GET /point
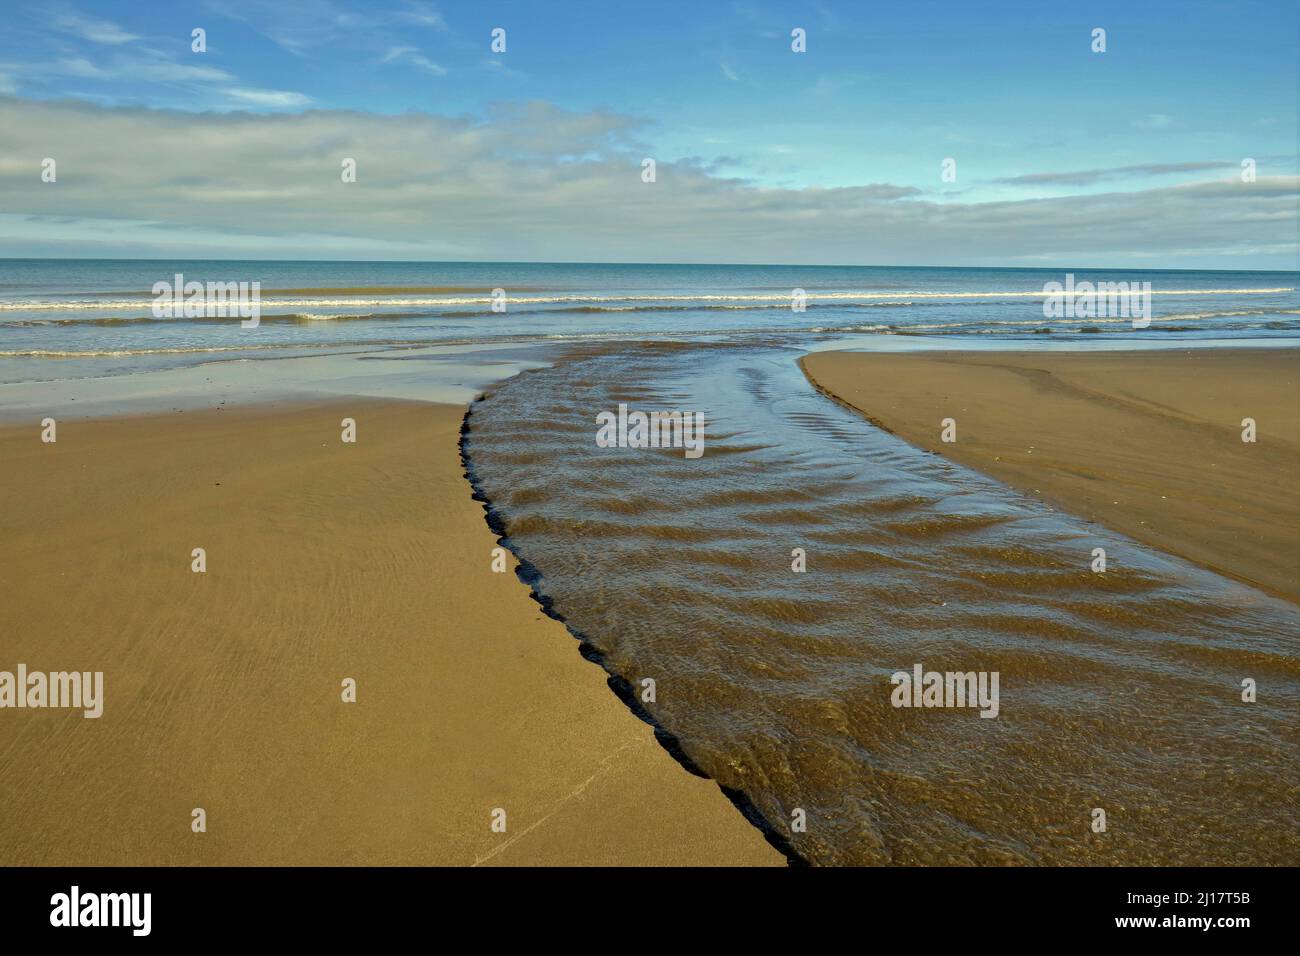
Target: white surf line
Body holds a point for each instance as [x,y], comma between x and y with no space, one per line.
[41,305]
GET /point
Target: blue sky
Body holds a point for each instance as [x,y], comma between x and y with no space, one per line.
[1049,138]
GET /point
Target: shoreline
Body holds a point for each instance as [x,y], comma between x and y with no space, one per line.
[526,572]
[324,560]
[1146,443]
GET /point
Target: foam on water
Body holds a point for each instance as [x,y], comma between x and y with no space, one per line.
[51,310]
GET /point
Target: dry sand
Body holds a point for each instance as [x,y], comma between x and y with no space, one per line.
[1146,443]
[325,561]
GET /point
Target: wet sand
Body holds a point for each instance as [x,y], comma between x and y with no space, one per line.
[325,561]
[1145,443]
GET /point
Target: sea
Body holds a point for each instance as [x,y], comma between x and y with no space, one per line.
[102,309]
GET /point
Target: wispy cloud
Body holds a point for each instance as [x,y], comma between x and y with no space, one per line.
[123,68]
[409,54]
[163,71]
[134,65]
[96,31]
[421,14]
[301,26]
[1087,177]
[729,73]
[298,26]
[276,99]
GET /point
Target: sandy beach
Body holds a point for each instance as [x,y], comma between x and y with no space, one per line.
[1148,443]
[223,689]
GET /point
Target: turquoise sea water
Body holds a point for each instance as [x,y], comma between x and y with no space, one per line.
[87,318]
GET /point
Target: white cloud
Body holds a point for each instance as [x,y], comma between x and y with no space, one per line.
[72,66]
[206,85]
[301,26]
[409,54]
[421,14]
[1085,177]
[537,182]
[124,68]
[96,31]
[279,99]
[729,73]
[166,72]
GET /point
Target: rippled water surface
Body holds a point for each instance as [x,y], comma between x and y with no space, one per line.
[96,317]
[1119,691]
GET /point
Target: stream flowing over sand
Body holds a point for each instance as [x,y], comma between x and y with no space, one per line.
[1119,691]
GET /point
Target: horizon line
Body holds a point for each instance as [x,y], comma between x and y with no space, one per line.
[547,262]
